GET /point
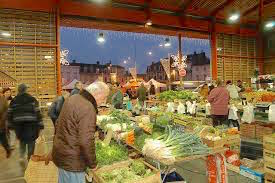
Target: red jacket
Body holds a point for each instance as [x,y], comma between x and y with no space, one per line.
[219,100]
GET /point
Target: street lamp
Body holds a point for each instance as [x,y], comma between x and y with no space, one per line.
[101,38]
[167,42]
[150,53]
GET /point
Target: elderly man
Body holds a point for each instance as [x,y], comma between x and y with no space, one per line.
[77,88]
[74,142]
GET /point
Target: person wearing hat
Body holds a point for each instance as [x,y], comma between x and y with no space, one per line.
[25,119]
[3,124]
[74,142]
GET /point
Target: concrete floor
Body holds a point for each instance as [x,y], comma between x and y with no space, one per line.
[11,170]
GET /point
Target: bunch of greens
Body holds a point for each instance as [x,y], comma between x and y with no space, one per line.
[179,95]
[163,120]
[135,171]
[173,144]
[109,154]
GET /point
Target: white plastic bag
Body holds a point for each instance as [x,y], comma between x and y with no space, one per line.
[170,107]
[233,113]
[271,113]
[248,114]
[193,108]
[208,109]
[188,105]
[181,108]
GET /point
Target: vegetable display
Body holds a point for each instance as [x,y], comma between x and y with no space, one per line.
[166,148]
[135,171]
[180,95]
[117,121]
[109,154]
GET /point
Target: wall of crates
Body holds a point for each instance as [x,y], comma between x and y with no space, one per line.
[31,55]
[236,57]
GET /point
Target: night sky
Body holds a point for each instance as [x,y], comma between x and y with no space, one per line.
[119,46]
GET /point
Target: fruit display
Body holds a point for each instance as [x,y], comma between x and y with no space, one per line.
[260,96]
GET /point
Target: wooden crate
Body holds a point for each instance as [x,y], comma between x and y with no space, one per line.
[269,142]
[269,178]
[261,131]
[214,144]
[248,130]
[269,156]
[156,178]
[233,140]
[269,167]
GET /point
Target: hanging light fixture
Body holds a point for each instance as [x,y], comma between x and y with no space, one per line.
[234,17]
[149,22]
[150,53]
[167,42]
[270,24]
[101,38]
[6,34]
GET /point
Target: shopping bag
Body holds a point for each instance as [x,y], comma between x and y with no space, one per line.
[248,114]
[208,109]
[181,108]
[188,105]
[41,147]
[38,172]
[233,113]
[271,113]
[170,107]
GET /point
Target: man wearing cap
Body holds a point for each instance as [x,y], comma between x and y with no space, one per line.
[74,141]
[25,118]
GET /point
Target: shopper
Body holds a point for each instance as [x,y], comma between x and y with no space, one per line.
[219,100]
[74,142]
[25,118]
[7,93]
[204,91]
[141,94]
[232,89]
[3,125]
[56,107]
[152,89]
[240,85]
[77,88]
[117,99]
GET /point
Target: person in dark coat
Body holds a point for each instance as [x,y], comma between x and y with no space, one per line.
[3,126]
[25,118]
[56,107]
[77,88]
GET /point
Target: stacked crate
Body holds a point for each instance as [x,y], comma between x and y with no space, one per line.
[248,130]
[269,158]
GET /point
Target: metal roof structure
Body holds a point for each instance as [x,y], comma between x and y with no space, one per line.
[193,18]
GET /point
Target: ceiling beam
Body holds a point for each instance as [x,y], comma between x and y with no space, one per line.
[254,8]
[222,7]
[185,5]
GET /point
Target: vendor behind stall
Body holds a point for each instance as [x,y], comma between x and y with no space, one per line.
[141,94]
[117,99]
[219,100]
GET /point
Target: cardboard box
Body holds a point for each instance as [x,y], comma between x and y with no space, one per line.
[256,175]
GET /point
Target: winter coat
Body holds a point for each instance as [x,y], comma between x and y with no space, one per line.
[141,93]
[219,100]
[117,100]
[55,108]
[3,113]
[74,142]
[75,91]
[25,118]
